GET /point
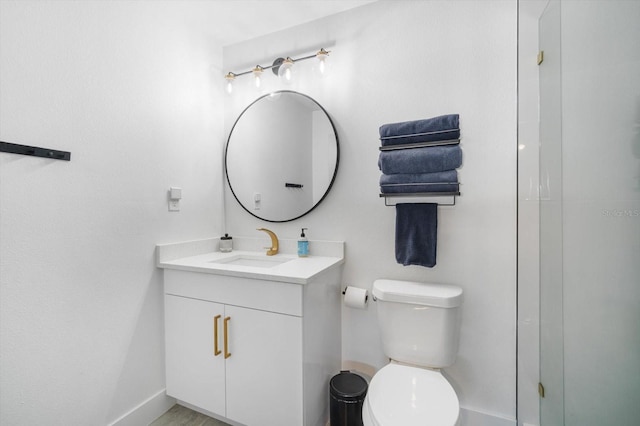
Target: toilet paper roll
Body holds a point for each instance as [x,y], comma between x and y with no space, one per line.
[355,297]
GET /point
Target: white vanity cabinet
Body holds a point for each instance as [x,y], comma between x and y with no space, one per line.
[257,364]
[253,351]
[193,373]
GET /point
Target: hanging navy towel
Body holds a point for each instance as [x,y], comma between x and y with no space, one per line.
[416,234]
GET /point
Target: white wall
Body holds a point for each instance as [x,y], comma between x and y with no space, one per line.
[404,60]
[126,87]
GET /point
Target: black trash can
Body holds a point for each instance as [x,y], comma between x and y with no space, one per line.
[347,391]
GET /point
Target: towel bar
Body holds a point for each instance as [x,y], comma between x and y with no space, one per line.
[34,151]
[440,198]
[419,145]
[435,132]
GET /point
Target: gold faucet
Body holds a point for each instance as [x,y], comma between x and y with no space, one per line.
[274,242]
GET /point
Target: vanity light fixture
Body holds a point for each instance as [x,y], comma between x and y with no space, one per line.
[257,76]
[321,66]
[230,77]
[282,67]
[285,71]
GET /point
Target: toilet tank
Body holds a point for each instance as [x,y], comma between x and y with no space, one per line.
[419,323]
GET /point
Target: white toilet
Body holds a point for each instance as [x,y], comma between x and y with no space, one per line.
[419,326]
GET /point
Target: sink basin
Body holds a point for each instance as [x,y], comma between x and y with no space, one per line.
[254,261]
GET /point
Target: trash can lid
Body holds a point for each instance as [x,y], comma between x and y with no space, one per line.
[348,386]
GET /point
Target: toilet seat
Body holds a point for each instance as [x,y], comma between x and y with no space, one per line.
[401,395]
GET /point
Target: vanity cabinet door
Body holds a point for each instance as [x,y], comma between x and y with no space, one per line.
[264,371]
[195,373]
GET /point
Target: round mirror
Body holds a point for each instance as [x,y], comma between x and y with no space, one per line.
[282,156]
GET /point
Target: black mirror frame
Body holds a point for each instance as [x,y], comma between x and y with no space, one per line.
[335,172]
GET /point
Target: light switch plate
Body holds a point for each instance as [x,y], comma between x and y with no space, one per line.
[175,193]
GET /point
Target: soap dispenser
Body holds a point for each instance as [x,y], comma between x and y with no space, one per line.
[226,243]
[303,244]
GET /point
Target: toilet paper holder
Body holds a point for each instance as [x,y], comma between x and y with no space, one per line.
[366,297]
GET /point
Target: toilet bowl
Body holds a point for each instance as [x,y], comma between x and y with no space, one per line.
[401,395]
[419,326]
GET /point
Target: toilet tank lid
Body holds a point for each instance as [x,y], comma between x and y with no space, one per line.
[438,295]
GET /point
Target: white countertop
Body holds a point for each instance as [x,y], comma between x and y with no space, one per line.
[204,256]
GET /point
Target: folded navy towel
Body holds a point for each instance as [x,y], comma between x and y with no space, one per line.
[420,160]
[446,181]
[416,234]
[444,127]
[447,176]
[419,188]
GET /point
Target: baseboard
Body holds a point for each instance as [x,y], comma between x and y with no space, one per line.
[147,411]
[476,418]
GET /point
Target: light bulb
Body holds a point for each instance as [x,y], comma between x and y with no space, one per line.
[229,79]
[285,72]
[257,76]
[321,68]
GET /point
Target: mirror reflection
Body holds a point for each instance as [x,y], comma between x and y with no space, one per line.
[282,156]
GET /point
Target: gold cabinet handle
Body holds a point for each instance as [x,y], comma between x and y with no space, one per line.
[227,354]
[216,351]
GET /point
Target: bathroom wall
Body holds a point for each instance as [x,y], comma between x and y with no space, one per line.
[126,88]
[404,60]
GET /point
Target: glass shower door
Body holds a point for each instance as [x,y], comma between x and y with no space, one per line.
[551,307]
[590,213]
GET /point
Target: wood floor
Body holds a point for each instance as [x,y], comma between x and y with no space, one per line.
[182,416]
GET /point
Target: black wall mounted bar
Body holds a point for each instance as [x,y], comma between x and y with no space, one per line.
[34,151]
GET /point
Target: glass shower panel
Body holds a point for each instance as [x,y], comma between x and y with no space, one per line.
[551,321]
[601,211]
[590,236]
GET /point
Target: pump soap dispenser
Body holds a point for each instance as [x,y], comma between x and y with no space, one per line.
[303,244]
[226,243]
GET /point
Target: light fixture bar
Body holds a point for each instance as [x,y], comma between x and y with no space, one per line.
[276,64]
